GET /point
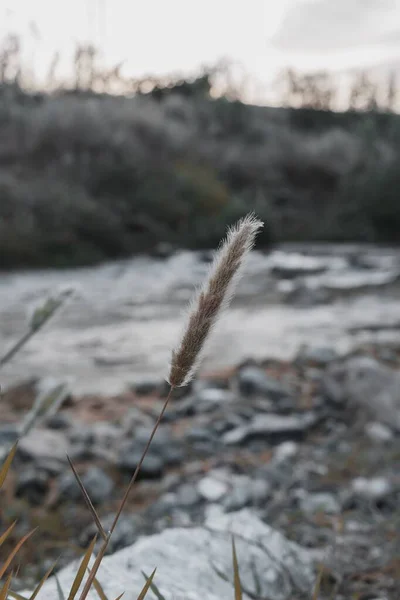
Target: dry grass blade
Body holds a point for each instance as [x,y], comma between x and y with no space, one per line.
[146,586]
[14,552]
[88,501]
[59,589]
[99,589]
[16,596]
[103,549]
[82,570]
[5,588]
[154,588]
[236,577]
[7,463]
[120,596]
[42,581]
[318,583]
[7,533]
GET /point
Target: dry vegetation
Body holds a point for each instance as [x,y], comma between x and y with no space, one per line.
[86,176]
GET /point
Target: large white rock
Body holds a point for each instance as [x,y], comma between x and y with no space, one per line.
[191,563]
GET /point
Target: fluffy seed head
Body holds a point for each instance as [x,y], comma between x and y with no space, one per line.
[212,298]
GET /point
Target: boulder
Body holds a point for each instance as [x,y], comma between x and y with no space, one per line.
[196,563]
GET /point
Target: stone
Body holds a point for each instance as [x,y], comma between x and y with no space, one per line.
[374,488]
[285,451]
[260,491]
[271,428]
[32,485]
[212,489]
[129,457]
[320,502]
[318,355]
[187,495]
[125,534]
[40,444]
[378,432]
[240,496]
[253,380]
[147,386]
[58,421]
[210,398]
[190,561]
[68,488]
[98,484]
[363,382]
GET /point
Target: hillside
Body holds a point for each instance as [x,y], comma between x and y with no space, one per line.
[85,177]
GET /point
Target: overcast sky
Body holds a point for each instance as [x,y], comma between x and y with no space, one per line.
[161,36]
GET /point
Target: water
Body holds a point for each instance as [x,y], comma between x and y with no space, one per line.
[126,316]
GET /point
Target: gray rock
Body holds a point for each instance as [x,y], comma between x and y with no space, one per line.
[285,451]
[210,398]
[320,502]
[260,491]
[188,562]
[42,444]
[129,457]
[271,428]
[58,421]
[98,484]
[68,488]
[240,496]
[375,488]
[378,432]
[125,534]
[187,495]
[211,488]
[147,386]
[253,380]
[364,382]
[32,485]
[319,355]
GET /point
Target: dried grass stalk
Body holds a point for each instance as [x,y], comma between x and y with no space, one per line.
[212,298]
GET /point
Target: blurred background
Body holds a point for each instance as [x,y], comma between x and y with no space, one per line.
[133,133]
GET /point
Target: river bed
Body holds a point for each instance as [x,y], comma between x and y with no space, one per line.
[125,316]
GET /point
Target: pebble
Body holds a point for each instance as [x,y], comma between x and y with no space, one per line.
[253,380]
[378,432]
[211,489]
[375,488]
[320,502]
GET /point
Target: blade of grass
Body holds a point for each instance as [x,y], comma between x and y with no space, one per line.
[14,552]
[7,463]
[82,569]
[103,549]
[88,501]
[6,587]
[98,587]
[154,588]
[120,596]
[146,586]
[42,581]
[7,533]
[59,588]
[236,577]
[317,587]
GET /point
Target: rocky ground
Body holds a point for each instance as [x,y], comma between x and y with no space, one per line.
[311,447]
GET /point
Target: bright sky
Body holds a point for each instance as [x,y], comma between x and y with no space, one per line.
[162,36]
